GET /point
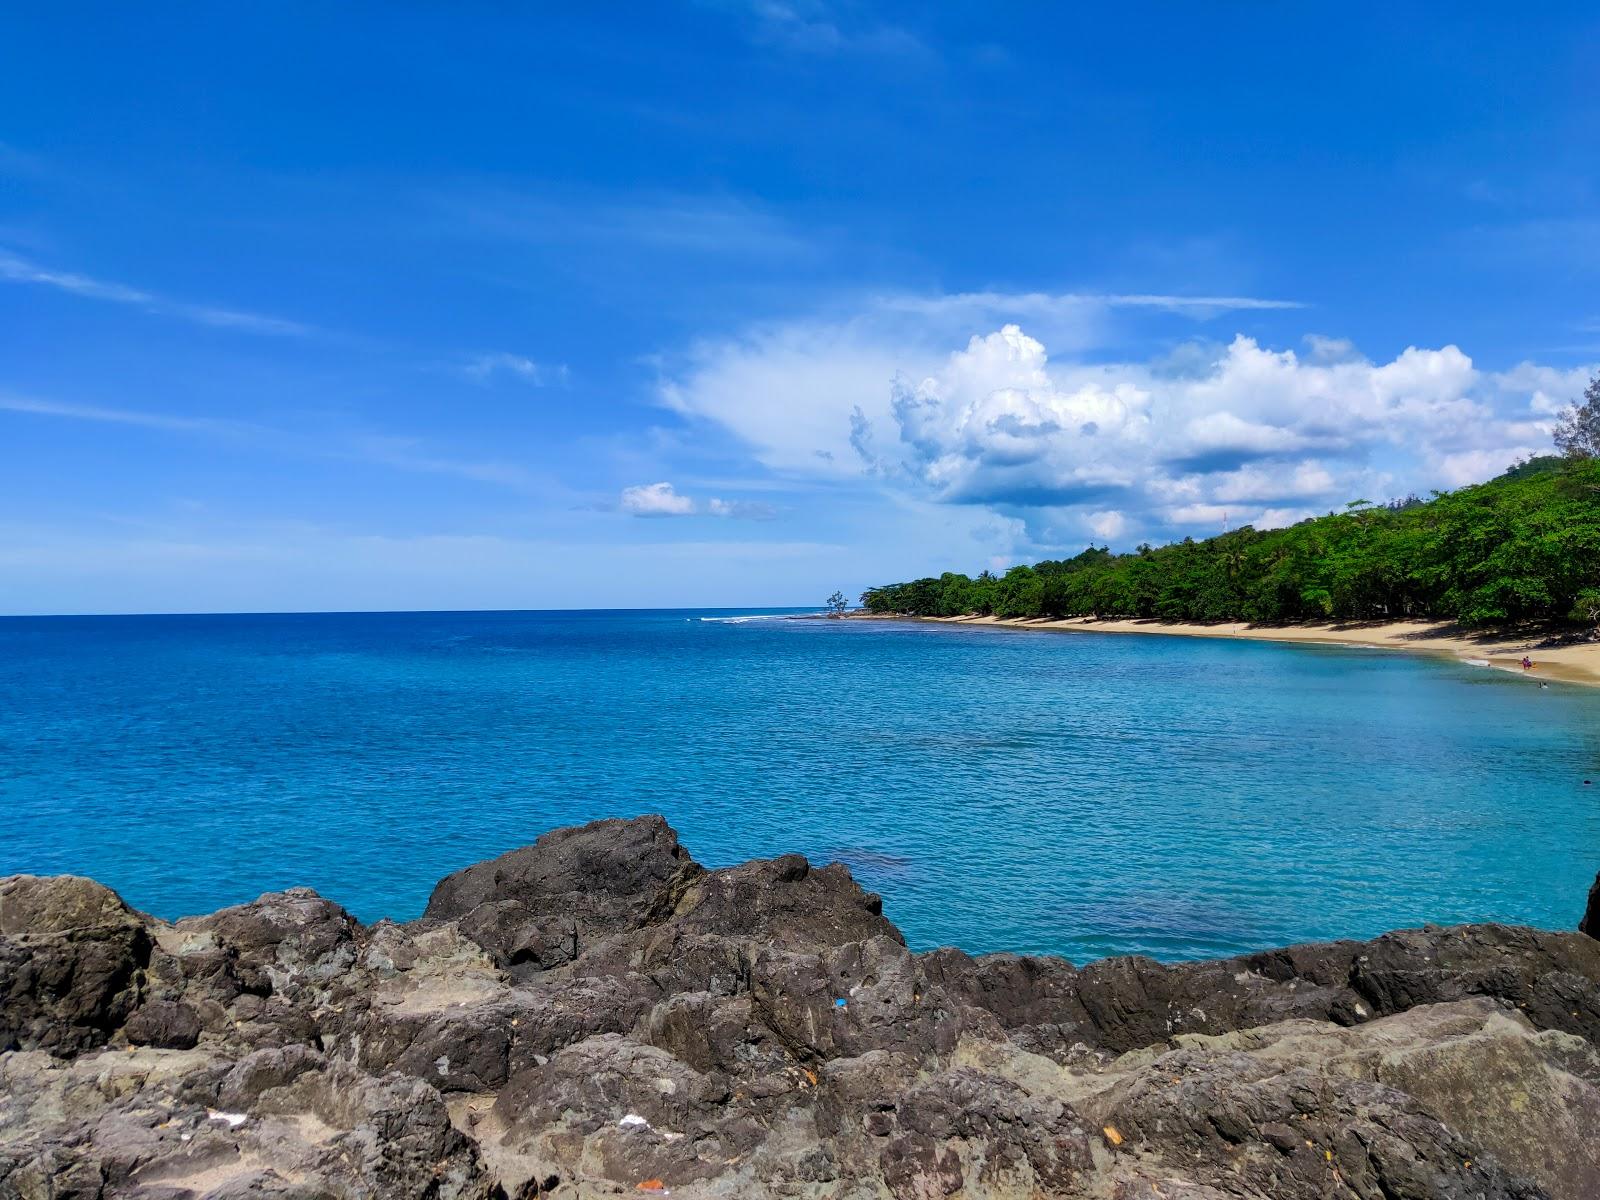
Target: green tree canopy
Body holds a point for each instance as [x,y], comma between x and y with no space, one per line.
[1525,545]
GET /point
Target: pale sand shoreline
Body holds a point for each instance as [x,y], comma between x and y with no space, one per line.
[1574,663]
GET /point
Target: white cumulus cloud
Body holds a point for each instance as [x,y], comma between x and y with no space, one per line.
[1265,431]
[1233,433]
[664,500]
[789,390]
[655,500]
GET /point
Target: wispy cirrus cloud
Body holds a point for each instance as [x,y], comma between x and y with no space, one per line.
[1026,304]
[815,27]
[663,222]
[16,269]
[414,454]
[120,416]
[485,366]
[389,450]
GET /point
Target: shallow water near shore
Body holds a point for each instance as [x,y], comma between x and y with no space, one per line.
[1002,789]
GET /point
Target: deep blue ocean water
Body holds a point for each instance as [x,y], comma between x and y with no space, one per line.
[1042,792]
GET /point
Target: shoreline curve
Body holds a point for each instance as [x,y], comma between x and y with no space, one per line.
[1576,662]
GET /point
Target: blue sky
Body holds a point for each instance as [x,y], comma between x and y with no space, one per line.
[348,307]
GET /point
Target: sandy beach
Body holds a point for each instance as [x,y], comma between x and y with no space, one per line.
[1502,649]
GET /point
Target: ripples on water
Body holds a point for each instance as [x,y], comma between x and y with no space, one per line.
[1031,791]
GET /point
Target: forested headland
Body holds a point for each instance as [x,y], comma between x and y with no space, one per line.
[1524,546]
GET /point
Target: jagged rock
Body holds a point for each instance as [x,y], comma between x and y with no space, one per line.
[783,903]
[71,954]
[164,1024]
[1124,1003]
[154,1123]
[1443,1100]
[863,996]
[440,1009]
[598,1012]
[1240,1123]
[284,940]
[1590,923]
[544,904]
[964,1128]
[602,1079]
[713,1033]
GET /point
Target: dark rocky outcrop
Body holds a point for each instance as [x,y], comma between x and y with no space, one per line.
[70,957]
[546,903]
[598,1015]
[1590,923]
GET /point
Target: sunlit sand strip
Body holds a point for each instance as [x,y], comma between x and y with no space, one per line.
[1577,663]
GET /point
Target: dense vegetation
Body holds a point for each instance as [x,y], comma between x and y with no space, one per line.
[1523,546]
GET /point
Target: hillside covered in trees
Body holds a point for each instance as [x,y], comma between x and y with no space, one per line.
[1523,546]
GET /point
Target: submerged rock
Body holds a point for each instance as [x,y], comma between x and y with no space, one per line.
[598,1015]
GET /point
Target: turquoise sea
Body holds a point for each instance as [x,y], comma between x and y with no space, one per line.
[1032,791]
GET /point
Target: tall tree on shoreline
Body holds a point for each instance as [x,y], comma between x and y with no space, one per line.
[1577,432]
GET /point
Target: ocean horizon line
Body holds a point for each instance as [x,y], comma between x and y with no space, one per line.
[395,612]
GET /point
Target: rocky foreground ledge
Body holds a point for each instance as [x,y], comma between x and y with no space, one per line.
[598,1015]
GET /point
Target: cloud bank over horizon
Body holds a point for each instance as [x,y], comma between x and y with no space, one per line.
[1204,435]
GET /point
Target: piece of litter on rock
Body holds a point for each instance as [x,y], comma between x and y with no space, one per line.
[234,1120]
[634,1121]
[652,1185]
[841,1002]
[1113,1135]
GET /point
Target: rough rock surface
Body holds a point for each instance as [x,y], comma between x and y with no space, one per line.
[598,1015]
[1590,923]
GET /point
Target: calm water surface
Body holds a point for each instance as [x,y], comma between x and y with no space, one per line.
[1080,795]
